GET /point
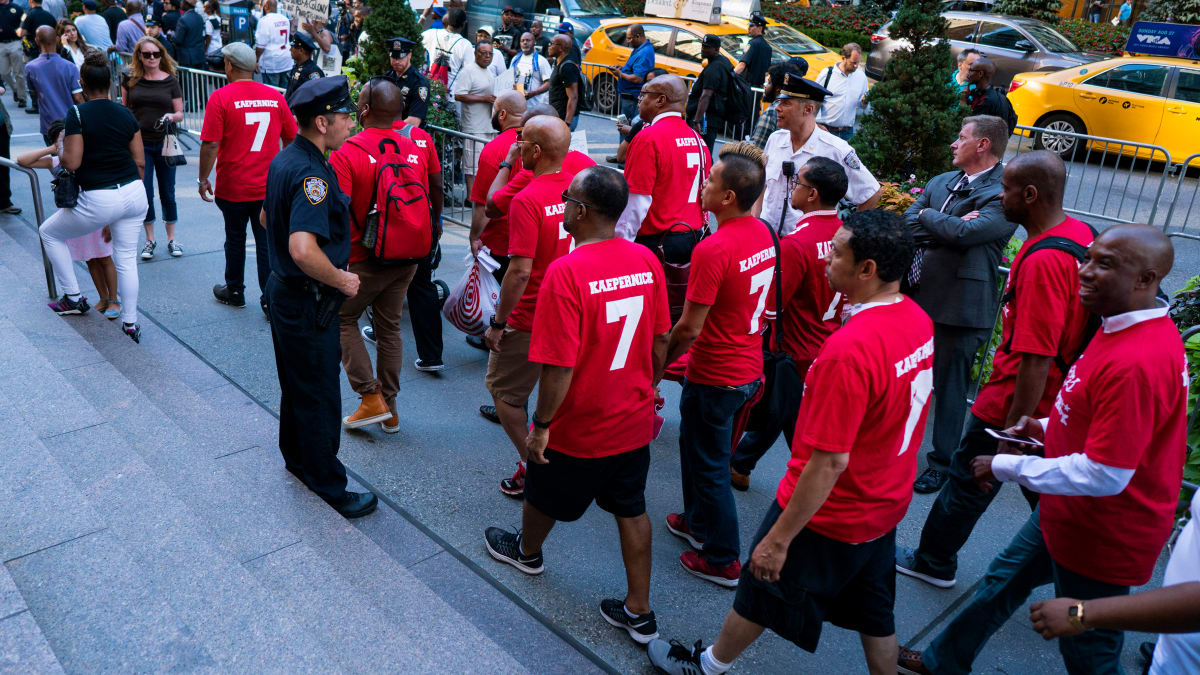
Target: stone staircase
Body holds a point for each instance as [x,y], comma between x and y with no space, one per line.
[148,524]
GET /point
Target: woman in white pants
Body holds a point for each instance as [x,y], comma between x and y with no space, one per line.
[103,147]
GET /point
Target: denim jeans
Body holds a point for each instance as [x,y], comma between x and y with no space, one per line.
[705,435]
[236,215]
[166,185]
[1024,565]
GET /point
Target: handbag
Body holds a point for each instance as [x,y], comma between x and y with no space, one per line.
[64,184]
[676,274]
[172,151]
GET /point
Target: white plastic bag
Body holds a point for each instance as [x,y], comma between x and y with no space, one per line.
[473,301]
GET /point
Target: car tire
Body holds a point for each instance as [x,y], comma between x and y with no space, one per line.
[605,94]
[1063,146]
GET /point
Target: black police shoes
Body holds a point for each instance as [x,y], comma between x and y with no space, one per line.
[356,504]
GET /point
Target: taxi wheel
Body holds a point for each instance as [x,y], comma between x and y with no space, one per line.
[1063,146]
[605,87]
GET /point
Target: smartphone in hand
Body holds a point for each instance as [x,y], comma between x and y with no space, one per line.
[1014,438]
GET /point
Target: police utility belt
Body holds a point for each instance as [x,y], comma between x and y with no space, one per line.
[327,298]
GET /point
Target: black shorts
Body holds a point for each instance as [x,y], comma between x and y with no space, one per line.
[566,487]
[852,586]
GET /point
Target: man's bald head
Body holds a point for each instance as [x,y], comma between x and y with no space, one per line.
[549,133]
[665,93]
[46,37]
[382,102]
[539,109]
[1042,170]
[982,71]
[672,86]
[512,102]
[1123,269]
[1148,245]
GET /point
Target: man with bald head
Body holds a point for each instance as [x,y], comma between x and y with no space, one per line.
[1114,447]
[53,81]
[666,166]
[1043,330]
[982,98]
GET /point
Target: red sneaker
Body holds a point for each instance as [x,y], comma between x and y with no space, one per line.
[678,526]
[515,486]
[726,576]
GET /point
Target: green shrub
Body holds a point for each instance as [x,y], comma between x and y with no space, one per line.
[835,39]
[394,18]
[857,20]
[1044,10]
[1099,37]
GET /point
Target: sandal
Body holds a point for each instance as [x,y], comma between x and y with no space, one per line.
[109,312]
[101,306]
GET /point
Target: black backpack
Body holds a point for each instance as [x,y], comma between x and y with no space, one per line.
[739,101]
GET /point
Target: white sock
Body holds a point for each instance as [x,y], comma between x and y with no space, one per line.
[72,296]
[710,665]
[629,613]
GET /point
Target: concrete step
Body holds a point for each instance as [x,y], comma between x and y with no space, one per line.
[23,646]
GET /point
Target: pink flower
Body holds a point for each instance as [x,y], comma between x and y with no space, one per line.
[916,191]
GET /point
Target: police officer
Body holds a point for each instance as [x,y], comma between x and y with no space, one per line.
[798,140]
[413,86]
[306,68]
[307,219]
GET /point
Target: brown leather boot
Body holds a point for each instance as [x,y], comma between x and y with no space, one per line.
[371,410]
[739,481]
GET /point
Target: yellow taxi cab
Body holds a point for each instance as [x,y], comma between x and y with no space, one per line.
[1140,99]
[676,45]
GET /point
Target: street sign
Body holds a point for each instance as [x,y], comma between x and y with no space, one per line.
[704,11]
[305,9]
[1164,39]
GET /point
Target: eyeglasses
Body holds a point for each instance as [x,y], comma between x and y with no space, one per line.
[151,55]
[568,198]
[797,182]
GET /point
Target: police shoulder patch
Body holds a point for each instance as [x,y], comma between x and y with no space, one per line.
[851,160]
[315,189]
[314,75]
[423,92]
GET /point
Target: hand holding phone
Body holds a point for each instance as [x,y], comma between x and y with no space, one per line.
[1017,439]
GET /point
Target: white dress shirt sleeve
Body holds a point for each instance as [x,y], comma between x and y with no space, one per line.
[631,218]
[1074,475]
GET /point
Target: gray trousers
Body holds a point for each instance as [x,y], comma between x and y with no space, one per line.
[954,350]
[12,67]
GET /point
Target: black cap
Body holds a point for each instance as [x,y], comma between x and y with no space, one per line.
[757,19]
[518,11]
[794,86]
[711,40]
[399,46]
[323,95]
[151,21]
[303,42]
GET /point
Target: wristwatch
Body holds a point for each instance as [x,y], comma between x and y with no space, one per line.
[504,165]
[538,423]
[1075,615]
[497,326]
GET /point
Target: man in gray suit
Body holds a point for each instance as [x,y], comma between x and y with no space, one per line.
[959,224]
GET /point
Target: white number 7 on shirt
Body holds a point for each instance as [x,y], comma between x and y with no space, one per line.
[261,120]
[760,283]
[693,159]
[921,387]
[631,310]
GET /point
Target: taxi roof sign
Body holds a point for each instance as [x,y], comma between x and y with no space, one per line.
[1164,39]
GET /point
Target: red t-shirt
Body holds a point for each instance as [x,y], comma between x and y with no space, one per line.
[1048,320]
[356,174]
[535,231]
[429,156]
[866,394]
[598,311]
[573,163]
[247,118]
[495,233]
[668,161]
[732,272]
[811,310]
[1124,404]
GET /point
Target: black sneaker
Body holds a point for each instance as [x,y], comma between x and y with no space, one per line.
[227,296]
[65,305]
[906,563]
[930,481]
[674,658]
[505,546]
[488,412]
[430,366]
[133,330]
[642,629]
[477,343]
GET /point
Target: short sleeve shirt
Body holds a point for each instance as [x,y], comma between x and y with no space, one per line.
[426,149]
[247,119]
[273,35]
[54,80]
[1046,319]
[150,100]
[862,185]
[303,196]
[811,309]
[731,272]
[640,62]
[598,311]
[715,76]
[757,59]
[495,233]
[475,81]
[565,74]
[107,128]
[519,177]
[1123,404]
[866,394]
[535,231]
[10,21]
[530,71]
[668,160]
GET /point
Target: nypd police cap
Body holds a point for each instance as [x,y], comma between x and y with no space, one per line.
[794,86]
[303,41]
[400,47]
[323,95]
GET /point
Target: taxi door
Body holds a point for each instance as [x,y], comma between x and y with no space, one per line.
[1125,102]
[1180,129]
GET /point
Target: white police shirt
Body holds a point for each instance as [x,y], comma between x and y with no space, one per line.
[862,185]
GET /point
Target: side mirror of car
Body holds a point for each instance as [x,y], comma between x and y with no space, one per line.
[1023,45]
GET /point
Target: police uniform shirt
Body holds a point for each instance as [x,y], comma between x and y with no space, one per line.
[10,21]
[303,196]
[862,185]
[757,59]
[415,90]
[302,73]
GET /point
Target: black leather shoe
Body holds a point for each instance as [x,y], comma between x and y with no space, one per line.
[228,296]
[930,481]
[476,342]
[489,413]
[356,504]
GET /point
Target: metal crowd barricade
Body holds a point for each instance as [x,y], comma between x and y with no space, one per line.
[457,152]
[39,215]
[1178,214]
[198,86]
[1107,178]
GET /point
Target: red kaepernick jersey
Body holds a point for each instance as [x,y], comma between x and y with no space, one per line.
[247,118]
[424,143]
[866,394]
[731,272]
[668,161]
[573,163]
[598,310]
[1124,405]
[535,231]
[1048,320]
[495,233]
[811,309]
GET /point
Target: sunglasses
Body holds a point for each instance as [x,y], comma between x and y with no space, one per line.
[568,198]
[151,55]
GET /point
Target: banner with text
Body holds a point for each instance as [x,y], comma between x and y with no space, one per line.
[1164,39]
[305,10]
[704,11]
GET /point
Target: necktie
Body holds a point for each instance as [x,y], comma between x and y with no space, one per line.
[914,272]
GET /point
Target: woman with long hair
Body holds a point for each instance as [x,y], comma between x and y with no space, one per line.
[103,146]
[72,46]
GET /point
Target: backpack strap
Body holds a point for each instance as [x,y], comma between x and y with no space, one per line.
[777,326]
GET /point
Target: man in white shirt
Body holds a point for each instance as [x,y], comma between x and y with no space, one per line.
[271,41]
[448,44]
[93,27]
[847,84]
[473,89]
[531,72]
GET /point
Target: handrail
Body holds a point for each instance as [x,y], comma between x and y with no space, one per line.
[39,215]
[1178,189]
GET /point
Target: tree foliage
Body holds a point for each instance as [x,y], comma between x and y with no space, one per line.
[394,18]
[915,114]
[1173,11]
[1045,10]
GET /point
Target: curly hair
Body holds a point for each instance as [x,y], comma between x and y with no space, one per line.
[137,71]
[881,236]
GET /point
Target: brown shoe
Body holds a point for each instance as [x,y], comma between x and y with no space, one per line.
[391,425]
[910,662]
[739,481]
[371,410]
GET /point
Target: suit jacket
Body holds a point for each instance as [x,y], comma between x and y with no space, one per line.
[959,280]
[189,40]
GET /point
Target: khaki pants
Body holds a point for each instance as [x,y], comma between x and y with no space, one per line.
[384,287]
[12,67]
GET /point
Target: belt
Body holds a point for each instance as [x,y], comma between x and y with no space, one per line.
[833,128]
[294,284]
[116,186]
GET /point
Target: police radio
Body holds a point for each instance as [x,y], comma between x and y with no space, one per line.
[789,170]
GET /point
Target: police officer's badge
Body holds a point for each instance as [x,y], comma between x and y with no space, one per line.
[851,160]
[315,189]
[423,92]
